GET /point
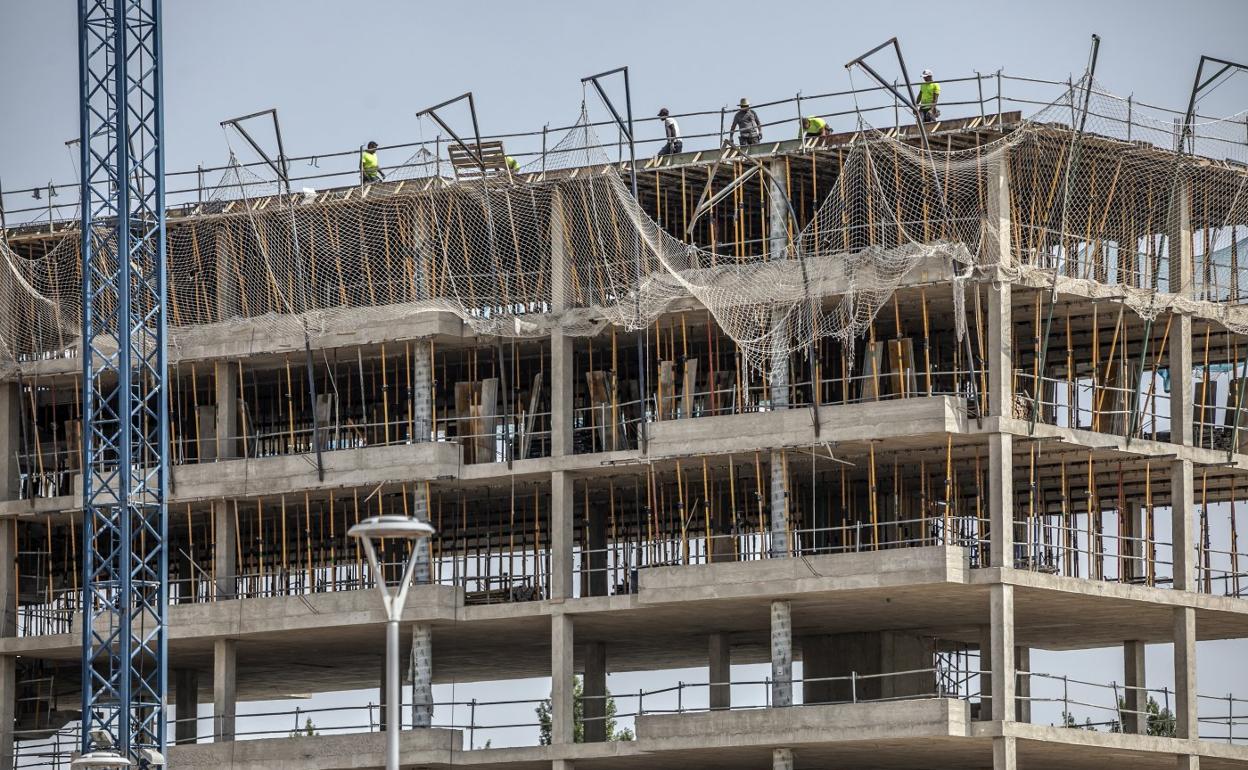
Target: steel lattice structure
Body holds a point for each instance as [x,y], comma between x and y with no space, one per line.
[124,365]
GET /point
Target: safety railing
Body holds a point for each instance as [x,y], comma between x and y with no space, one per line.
[978,95]
[1084,404]
[1107,706]
[1221,572]
[1083,547]
[518,436]
[615,569]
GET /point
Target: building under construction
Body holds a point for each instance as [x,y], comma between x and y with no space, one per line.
[885,409]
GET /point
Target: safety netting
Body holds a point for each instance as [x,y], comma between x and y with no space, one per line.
[1097,211]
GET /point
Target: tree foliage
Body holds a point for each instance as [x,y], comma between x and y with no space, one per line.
[545,719]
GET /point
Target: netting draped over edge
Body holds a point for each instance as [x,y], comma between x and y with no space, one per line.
[488,250]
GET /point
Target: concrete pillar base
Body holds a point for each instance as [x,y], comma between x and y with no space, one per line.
[224,692]
[782,759]
[781,654]
[422,675]
[1004,754]
[719,653]
[594,707]
[562,728]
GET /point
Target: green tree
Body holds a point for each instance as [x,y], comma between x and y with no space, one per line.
[1161,721]
[578,717]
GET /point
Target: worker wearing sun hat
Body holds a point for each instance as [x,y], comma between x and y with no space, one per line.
[746,124]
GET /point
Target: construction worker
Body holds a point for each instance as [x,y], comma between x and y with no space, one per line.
[929,94]
[674,144]
[369,170]
[513,165]
[814,126]
[747,125]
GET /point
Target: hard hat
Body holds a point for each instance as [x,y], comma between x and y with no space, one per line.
[745,103]
[663,113]
[927,73]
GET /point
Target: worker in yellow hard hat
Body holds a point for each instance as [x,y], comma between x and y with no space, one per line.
[370,171]
[813,125]
[929,95]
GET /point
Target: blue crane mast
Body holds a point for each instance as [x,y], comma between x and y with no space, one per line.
[125,398]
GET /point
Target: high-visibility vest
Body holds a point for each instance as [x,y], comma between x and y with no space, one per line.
[815,126]
[513,164]
[928,92]
[368,162]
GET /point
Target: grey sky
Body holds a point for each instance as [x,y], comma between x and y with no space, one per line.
[342,73]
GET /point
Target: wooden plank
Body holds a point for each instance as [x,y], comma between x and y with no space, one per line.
[901,364]
[464,423]
[487,423]
[689,387]
[667,389]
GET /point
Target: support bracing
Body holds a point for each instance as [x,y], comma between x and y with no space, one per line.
[125,419]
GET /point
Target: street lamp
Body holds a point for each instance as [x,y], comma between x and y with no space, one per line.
[370,531]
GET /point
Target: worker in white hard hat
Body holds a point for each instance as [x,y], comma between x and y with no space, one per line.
[929,94]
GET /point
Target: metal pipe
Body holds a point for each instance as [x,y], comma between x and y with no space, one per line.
[394,719]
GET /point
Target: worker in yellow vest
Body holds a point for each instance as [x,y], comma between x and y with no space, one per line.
[370,171]
[929,94]
[513,165]
[814,126]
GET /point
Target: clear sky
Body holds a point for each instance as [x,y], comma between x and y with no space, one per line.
[342,73]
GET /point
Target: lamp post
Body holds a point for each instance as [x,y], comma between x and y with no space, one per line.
[371,531]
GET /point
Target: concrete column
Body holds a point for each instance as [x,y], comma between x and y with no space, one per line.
[595,558]
[421,667]
[562,374]
[1180,363]
[1188,762]
[782,759]
[562,534]
[422,571]
[224,692]
[225,553]
[225,378]
[1182,506]
[1179,240]
[779,523]
[999,211]
[1186,725]
[1135,696]
[594,702]
[561,369]
[1022,685]
[562,674]
[1000,361]
[719,653]
[10,439]
[186,704]
[422,389]
[8,709]
[1001,498]
[781,654]
[777,240]
[8,578]
[1004,753]
[1002,633]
